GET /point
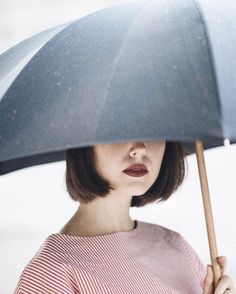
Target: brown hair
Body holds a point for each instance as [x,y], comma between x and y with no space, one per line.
[84,184]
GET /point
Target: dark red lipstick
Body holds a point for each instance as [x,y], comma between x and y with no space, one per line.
[136,170]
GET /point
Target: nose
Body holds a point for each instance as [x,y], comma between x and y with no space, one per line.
[139,149]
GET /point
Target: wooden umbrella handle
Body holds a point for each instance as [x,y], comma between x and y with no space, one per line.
[208,211]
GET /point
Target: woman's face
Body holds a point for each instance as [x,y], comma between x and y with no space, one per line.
[112,159]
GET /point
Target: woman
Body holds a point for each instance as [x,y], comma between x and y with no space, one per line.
[101,249]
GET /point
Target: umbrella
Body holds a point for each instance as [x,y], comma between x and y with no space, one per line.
[142,70]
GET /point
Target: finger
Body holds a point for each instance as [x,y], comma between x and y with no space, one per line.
[208,281]
[222,260]
[224,284]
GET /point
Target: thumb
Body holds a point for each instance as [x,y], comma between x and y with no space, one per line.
[208,281]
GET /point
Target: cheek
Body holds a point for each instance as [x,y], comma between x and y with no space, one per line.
[162,153]
[158,156]
[105,162]
[161,156]
[98,160]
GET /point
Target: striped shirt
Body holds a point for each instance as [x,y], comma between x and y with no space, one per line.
[148,259]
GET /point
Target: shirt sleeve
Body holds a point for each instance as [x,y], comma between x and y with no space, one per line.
[195,261]
[40,277]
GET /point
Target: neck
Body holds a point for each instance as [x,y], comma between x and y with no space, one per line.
[101,216]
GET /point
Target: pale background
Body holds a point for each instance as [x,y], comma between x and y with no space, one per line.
[34,202]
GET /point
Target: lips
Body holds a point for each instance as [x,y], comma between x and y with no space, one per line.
[137,170]
[137,167]
[133,173]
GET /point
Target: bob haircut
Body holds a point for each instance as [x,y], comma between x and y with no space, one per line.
[84,184]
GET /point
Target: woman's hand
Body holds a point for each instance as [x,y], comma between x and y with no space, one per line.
[225,284]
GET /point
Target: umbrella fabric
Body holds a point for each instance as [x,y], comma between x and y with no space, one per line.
[142,70]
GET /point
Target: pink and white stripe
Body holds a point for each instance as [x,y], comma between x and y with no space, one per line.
[149,259]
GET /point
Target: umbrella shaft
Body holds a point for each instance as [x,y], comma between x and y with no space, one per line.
[207,211]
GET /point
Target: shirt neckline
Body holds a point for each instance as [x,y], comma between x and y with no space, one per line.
[134,231]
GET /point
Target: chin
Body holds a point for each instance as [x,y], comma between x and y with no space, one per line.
[138,191]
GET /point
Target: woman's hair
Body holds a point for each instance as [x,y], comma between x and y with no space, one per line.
[84,184]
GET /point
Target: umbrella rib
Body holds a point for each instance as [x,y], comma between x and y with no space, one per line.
[121,49]
[211,57]
[13,71]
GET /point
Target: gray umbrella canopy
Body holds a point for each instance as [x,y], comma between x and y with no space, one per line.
[142,70]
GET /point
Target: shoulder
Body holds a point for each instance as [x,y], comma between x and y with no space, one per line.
[161,232]
[46,273]
[177,241]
